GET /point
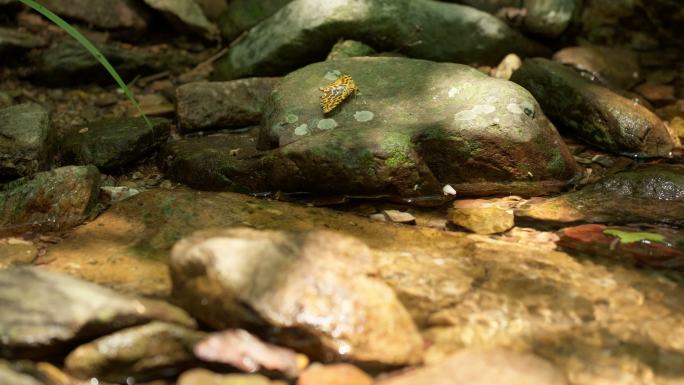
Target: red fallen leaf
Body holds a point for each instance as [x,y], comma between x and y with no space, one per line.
[246,352]
[591,239]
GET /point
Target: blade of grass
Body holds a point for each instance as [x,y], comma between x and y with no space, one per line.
[91,48]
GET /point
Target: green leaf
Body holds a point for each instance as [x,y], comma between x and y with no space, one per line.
[91,48]
[634,236]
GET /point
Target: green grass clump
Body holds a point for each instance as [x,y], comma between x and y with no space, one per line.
[91,48]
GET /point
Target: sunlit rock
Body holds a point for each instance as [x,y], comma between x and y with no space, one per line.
[315,291]
[594,113]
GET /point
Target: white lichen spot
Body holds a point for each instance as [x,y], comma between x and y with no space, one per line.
[453,91]
[514,108]
[327,124]
[302,130]
[477,110]
[363,116]
[481,109]
[332,75]
[292,118]
[491,99]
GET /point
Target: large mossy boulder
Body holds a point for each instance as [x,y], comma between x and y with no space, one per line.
[448,122]
[594,113]
[304,31]
[413,127]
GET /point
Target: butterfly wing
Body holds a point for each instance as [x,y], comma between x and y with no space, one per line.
[336,92]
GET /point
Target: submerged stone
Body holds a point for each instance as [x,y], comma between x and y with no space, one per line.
[655,247]
[14,42]
[594,113]
[24,140]
[586,317]
[304,31]
[484,367]
[648,194]
[113,144]
[314,290]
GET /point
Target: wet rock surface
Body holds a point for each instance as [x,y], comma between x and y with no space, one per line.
[113,144]
[15,252]
[10,375]
[484,368]
[321,277]
[216,105]
[284,41]
[594,113]
[33,322]
[51,200]
[655,247]
[648,194]
[154,350]
[205,377]
[461,290]
[24,140]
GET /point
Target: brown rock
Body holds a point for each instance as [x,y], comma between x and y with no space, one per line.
[656,92]
[482,220]
[337,374]
[205,377]
[314,290]
[615,67]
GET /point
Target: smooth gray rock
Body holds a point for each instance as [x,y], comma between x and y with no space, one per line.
[593,112]
[186,15]
[215,105]
[242,15]
[50,201]
[113,144]
[304,31]
[24,140]
[314,291]
[44,312]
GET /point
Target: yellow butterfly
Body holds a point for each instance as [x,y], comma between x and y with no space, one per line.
[336,92]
